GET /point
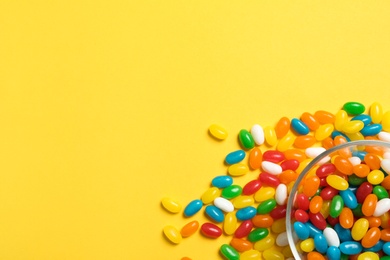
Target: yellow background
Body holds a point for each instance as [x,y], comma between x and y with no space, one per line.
[105,105]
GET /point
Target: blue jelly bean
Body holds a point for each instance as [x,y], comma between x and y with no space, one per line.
[359,154]
[349,198]
[222,181]
[386,248]
[312,229]
[301,230]
[215,213]
[320,243]
[235,157]
[366,119]
[376,248]
[333,253]
[193,207]
[337,133]
[299,127]
[344,234]
[350,247]
[246,213]
[371,130]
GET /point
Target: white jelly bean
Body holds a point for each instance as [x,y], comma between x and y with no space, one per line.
[385,164]
[386,155]
[271,167]
[384,136]
[331,237]
[257,134]
[382,206]
[224,204]
[281,239]
[313,152]
[354,160]
[281,194]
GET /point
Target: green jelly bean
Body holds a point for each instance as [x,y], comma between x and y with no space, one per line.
[258,234]
[385,258]
[336,206]
[229,252]
[344,257]
[231,192]
[355,180]
[246,139]
[266,206]
[380,192]
[354,108]
[357,212]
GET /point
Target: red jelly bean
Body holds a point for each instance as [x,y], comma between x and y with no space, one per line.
[278,212]
[323,182]
[332,221]
[325,169]
[244,229]
[301,216]
[273,156]
[211,230]
[317,220]
[363,191]
[328,193]
[302,202]
[290,165]
[269,179]
[251,187]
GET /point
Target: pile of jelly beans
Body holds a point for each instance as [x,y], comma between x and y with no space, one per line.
[342,209]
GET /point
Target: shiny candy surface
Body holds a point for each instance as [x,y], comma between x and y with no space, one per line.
[353,127]
[243,229]
[336,206]
[264,193]
[320,243]
[246,139]
[265,243]
[271,167]
[324,117]
[282,127]
[301,230]
[246,213]
[214,213]
[229,252]
[341,118]
[299,127]
[243,201]
[371,130]
[323,132]
[210,230]
[376,112]
[273,156]
[354,108]
[263,221]
[210,194]
[285,142]
[369,205]
[250,255]
[359,229]
[223,204]
[238,169]
[266,206]
[307,245]
[310,121]
[350,248]
[218,132]
[172,234]
[235,157]
[171,205]
[222,181]
[230,223]
[241,245]
[337,182]
[189,228]
[331,237]
[251,187]
[231,192]
[258,234]
[257,133]
[304,141]
[193,207]
[270,136]
[371,237]
[255,158]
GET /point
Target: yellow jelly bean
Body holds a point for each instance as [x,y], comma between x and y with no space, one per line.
[238,169]
[341,119]
[279,226]
[271,254]
[250,255]
[375,177]
[353,126]
[286,251]
[210,195]
[171,205]
[303,165]
[376,112]
[359,229]
[368,256]
[337,182]
[307,245]
[243,201]
[325,208]
[286,142]
[230,223]
[323,132]
[173,234]
[355,136]
[218,132]
[386,122]
[265,243]
[264,193]
[270,136]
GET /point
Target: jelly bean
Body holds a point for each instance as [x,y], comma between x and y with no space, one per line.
[304,141]
[243,229]
[382,206]
[230,223]
[315,256]
[327,143]
[251,187]
[278,212]
[223,204]
[331,221]
[288,176]
[246,213]
[385,234]
[171,205]
[325,208]
[243,201]
[368,256]
[350,248]
[301,216]
[266,206]
[372,161]
[262,221]
[218,132]
[385,218]
[310,121]
[172,234]
[384,136]
[313,230]
[385,164]
[246,139]
[341,117]
[359,229]
[193,207]
[353,127]
[369,205]
[255,158]
[235,157]
[269,179]
[281,239]
[271,254]
[291,164]
[333,253]
[323,132]
[214,213]
[362,192]
[386,121]
[307,245]
[222,181]
[328,193]
[371,237]
[281,194]
[318,220]
[272,168]
[386,181]
[270,136]
[374,221]
[301,230]
[279,226]
[337,133]
[357,212]
[324,117]
[366,119]
[316,204]
[311,186]
[313,152]
[355,160]
[320,243]
[229,252]
[360,154]
[361,170]
[349,198]
[257,133]
[343,165]
[386,248]
[285,142]
[273,156]
[265,243]
[332,237]
[375,177]
[377,150]
[238,169]
[355,180]
[354,108]
[299,127]
[241,245]
[264,193]
[343,233]
[250,255]
[337,182]
[211,230]
[231,192]
[282,127]
[380,192]
[376,112]
[210,194]
[371,130]
[325,169]
[346,218]
[295,154]
[302,201]
[258,234]
[189,228]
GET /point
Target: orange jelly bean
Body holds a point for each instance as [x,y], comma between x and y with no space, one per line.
[241,245]
[295,154]
[374,221]
[304,141]
[310,121]
[316,204]
[315,256]
[372,161]
[346,218]
[369,205]
[288,176]
[311,186]
[371,237]
[189,229]
[343,165]
[375,150]
[327,143]
[324,117]
[361,170]
[282,127]
[262,221]
[255,158]
[385,234]
[386,182]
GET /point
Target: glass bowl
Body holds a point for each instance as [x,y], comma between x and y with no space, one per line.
[308,180]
